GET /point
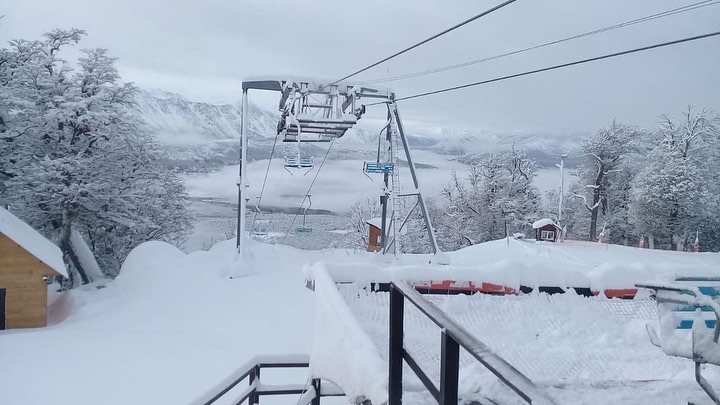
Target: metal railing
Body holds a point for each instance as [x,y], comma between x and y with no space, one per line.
[251,371]
[453,336]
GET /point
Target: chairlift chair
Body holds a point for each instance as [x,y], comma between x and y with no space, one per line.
[304,228]
[301,161]
[298,161]
[378,167]
[259,226]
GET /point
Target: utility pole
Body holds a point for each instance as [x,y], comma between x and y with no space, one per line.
[562,186]
[242,178]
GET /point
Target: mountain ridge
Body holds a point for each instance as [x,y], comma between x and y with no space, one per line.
[199,136]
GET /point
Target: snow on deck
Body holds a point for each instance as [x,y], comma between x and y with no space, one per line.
[581,350]
[32,241]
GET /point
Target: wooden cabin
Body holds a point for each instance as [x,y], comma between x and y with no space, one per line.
[27,259]
[546,230]
[374,232]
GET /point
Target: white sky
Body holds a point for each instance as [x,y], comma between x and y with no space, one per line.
[203,49]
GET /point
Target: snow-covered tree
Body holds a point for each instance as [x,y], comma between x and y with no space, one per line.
[604,152]
[73,158]
[497,196]
[677,193]
[361,212]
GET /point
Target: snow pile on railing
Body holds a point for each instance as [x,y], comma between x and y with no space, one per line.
[342,352]
[518,263]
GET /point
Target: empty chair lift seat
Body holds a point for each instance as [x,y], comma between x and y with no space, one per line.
[378,167]
[299,161]
[689,311]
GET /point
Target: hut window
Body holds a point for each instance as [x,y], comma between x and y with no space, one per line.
[547,235]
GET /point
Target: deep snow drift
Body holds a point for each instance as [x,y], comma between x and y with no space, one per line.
[169,327]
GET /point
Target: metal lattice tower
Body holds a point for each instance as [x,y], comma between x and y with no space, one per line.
[312,112]
[397,203]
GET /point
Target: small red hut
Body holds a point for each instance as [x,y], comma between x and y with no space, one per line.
[374,232]
[546,230]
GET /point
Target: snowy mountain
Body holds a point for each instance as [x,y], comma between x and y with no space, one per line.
[175,120]
[201,136]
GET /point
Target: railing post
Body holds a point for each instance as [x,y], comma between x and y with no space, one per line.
[317,387]
[254,398]
[395,352]
[449,369]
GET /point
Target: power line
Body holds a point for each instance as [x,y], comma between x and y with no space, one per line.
[454,27]
[648,18]
[308,190]
[564,65]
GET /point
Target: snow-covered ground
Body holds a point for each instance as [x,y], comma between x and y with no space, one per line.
[172,325]
[169,327]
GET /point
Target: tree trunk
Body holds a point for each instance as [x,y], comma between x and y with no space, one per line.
[597,193]
[677,243]
[66,247]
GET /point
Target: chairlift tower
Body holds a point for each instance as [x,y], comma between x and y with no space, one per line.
[316,112]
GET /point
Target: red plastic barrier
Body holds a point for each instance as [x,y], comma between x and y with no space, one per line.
[618,293]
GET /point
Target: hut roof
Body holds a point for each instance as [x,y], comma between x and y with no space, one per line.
[376,222]
[32,241]
[543,222]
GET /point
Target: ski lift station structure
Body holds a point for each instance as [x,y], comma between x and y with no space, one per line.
[312,111]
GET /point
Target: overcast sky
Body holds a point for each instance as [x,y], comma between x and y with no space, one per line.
[203,49]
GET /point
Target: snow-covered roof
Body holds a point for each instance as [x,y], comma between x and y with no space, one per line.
[543,222]
[32,241]
[376,222]
[314,82]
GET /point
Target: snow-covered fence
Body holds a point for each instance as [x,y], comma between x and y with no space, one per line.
[454,336]
[342,352]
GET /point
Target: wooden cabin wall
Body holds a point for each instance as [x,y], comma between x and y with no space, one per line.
[21,275]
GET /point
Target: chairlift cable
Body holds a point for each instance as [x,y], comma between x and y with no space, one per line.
[454,27]
[648,18]
[545,69]
[262,189]
[308,190]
